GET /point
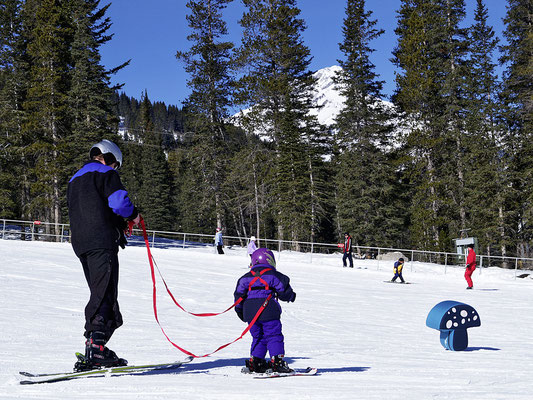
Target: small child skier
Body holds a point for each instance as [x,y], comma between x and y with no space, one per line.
[263,284]
[251,246]
[398,267]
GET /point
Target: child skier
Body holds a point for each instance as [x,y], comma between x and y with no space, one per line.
[251,246]
[261,288]
[398,267]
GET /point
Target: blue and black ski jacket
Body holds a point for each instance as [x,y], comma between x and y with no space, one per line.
[97,205]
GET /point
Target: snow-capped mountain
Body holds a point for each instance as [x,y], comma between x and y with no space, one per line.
[326,97]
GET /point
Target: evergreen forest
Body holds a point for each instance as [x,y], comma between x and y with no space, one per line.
[452,156]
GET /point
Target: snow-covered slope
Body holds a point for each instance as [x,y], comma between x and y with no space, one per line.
[368,338]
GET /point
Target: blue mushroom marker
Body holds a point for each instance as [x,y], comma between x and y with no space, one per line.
[452,319]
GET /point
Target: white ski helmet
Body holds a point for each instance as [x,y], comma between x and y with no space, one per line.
[110,151]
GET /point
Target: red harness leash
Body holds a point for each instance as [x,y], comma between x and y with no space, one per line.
[154,301]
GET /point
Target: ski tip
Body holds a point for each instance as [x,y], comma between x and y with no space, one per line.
[27,382]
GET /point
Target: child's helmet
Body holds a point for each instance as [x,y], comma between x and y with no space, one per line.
[263,256]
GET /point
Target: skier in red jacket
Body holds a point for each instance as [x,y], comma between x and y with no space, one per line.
[470,265]
[347,250]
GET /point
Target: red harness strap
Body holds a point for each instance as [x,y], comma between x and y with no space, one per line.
[154,302]
[258,277]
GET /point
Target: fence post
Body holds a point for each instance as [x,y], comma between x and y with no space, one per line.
[445,262]
[377,257]
[480,264]
[312,252]
[184,235]
[3,229]
[153,239]
[412,256]
[515,268]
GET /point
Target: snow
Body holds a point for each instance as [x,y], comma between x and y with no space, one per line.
[367,338]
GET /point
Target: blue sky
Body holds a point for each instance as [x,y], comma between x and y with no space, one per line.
[150,33]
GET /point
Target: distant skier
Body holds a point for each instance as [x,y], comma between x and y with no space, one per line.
[398,267]
[470,266]
[219,243]
[347,250]
[97,206]
[251,246]
[264,284]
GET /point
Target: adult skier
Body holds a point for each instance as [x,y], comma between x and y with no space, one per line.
[264,284]
[347,250]
[470,266]
[219,243]
[98,205]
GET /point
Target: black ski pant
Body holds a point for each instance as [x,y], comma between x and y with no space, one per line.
[348,256]
[102,312]
[219,249]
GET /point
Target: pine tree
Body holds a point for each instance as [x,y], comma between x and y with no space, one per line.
[517,95]
[431,50]
[154,194]
[11,95]
[209,64]
[486,163]
[195,205]
[454,45]
[277,86]
[365,179]
[90,94]
[46,125]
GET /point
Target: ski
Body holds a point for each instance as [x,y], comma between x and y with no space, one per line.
[399,283]
[112,371]
[266,375]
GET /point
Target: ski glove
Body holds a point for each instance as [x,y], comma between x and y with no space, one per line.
[122,242]
[293,298]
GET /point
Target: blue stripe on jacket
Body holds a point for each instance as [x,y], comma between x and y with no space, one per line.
[91,167]
[120,203]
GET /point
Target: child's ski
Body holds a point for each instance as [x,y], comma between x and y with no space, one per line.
[113,371]
[266,375]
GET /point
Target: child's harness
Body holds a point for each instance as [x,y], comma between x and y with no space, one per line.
[257,277]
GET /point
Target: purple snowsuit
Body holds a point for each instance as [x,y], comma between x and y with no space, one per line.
[266,332]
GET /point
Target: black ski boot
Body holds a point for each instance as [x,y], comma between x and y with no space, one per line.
[97,355]
[278,364]
[256,364]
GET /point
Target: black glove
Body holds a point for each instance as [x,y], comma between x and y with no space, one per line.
[240,314]
[293,298]
[122,242]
